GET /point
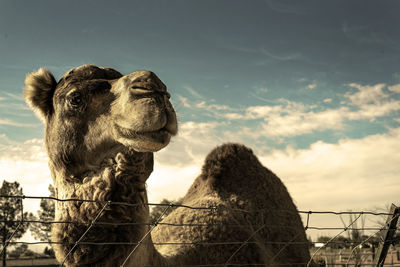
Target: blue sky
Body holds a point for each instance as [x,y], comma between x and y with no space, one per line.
[312,86]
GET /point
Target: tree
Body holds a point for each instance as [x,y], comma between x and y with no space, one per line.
[46,213]
[381,222]
[18,251]
[11,216]
[21,251]
[157,211]
[49,252]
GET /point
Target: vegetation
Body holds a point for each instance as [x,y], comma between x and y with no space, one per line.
[21,251]
[46,213]
[162,211]
[11,215]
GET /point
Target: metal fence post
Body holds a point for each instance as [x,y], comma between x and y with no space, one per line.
[388,235]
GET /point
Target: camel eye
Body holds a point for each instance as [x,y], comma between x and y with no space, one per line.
[75,99]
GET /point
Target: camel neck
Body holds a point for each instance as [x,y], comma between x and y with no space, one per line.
[121,179]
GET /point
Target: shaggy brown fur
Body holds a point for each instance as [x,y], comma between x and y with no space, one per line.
[101,128]
[252,205]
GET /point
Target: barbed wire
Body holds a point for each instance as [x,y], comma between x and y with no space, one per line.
[195,225]
[213,208]
[83,235]
[213,265]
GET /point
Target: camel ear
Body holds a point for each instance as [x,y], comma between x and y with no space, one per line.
[38,92]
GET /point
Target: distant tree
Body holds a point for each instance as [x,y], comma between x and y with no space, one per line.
[323,239]
[381,221]
[310,242]
[46,213]
[10,215]
[18,251]
[157,211]
[49,252]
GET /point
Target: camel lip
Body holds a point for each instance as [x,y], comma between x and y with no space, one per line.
[147,91]
[131,134]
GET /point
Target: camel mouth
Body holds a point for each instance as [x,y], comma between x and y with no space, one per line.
[161,135]
[145,89]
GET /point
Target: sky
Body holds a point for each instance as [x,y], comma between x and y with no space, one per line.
[313,87]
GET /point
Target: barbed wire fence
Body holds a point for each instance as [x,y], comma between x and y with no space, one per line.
[321,253]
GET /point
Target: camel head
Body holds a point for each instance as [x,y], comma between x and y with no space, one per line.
[93,112]
[101,130]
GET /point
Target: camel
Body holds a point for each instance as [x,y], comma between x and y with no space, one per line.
[101,130]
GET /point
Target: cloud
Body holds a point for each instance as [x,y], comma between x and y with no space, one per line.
[192,91]
[299,123]
[395,88]
[289,118]
[18,97]
[170,182]
[25,163]
[204,105]
[16,124]
[312,85]
[184,101]
[374,111]
[352,174]
[366,94]
[280,57]
[194,139]
[15,106]
[201,107]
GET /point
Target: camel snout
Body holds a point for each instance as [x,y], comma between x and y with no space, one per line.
[145,80]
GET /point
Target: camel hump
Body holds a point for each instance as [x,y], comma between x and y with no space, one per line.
[229,161]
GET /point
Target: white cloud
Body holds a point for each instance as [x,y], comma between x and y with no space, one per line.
[15,106]
[25,163]
[194,139]
[204,105]
[290,118]
[16,124]
[170,182]
[338,176]
[298,123]
[352,174]
[373,111]
[184,101]
[15,96]
[366,94]
[312,85]
[193,92]
[395,88]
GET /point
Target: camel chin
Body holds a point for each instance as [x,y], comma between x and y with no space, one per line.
[144,142]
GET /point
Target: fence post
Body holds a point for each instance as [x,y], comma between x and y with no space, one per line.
[388,235]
